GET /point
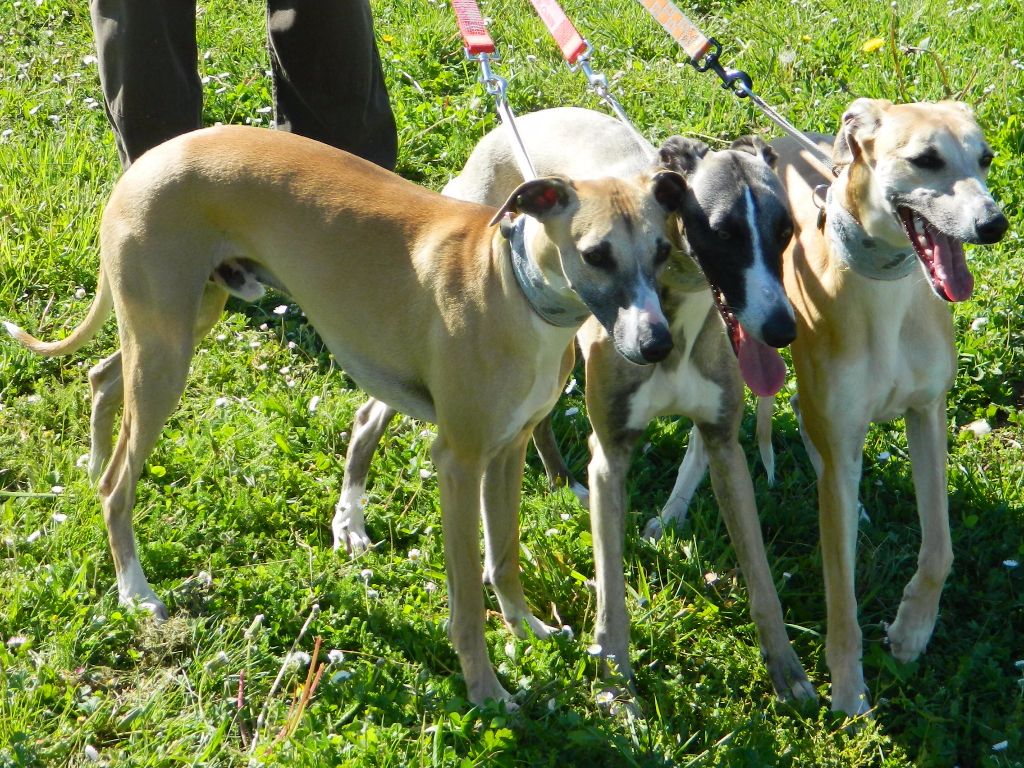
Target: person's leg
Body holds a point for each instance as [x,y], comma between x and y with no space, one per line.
[147,63]
[328,83]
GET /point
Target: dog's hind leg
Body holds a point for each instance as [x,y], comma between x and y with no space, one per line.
[734,490]
[349,523]
[915,620]
[688,479]
[501,492]
[459,474]
[107,388]
[107,384]
[156,362]
[554,464]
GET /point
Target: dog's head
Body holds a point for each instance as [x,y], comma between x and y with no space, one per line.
[918,171]
[737,224]
[609,241]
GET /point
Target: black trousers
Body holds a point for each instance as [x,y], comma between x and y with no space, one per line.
[328,83]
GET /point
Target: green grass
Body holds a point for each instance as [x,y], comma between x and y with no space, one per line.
[233,515]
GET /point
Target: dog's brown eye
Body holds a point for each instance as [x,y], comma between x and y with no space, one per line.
[928,161]
[599,256]
[661,254]
[723,234]
[785,234]
[986,160]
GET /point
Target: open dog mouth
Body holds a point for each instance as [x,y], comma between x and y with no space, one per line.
[761,366]
[941,255]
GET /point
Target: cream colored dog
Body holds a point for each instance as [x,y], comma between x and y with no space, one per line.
[870,275]
[422,300]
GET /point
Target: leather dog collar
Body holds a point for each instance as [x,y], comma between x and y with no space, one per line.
[856,249]
[553,307]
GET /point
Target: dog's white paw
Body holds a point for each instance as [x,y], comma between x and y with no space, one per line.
[349,527]
[523,626]
[908,643]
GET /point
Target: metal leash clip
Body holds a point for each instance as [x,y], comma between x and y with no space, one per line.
[729,77]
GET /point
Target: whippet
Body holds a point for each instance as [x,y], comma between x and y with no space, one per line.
[736,224]
[464,347]
[875,338]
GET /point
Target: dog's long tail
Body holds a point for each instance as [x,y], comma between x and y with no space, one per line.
[765,407]
[98,313]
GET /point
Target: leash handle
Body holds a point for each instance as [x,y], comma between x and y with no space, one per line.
[569,40]
[696,44]
[472,28]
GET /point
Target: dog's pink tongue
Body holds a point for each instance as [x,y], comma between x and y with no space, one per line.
[951,266]
[761,366]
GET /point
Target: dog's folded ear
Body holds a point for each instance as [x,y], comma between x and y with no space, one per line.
[681,154]
[860,124]
[539,198]
[755,146]
[669,190]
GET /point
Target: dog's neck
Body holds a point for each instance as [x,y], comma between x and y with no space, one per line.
[856,249]
[561,308]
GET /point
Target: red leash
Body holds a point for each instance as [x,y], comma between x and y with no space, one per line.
[562,30]
[576,52]
[472,27]
[481,49]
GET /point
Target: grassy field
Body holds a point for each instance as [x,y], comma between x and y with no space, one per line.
[233,514]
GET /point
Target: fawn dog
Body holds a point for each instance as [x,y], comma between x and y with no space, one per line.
[422,300]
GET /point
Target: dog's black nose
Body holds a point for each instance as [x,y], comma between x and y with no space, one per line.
[779,330]
[657,346]
[993,229]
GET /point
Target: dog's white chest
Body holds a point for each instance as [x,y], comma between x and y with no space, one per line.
[677,386]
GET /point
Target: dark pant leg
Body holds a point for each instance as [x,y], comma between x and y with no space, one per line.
[148,70]
[328,83]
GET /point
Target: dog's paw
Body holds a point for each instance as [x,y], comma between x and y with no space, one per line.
[789,679]
[523,626]
[854,704]
[353,541]
[654,529]
[349,527]
[907,644]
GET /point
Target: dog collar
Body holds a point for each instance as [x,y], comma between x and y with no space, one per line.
[859,251]
[554,307]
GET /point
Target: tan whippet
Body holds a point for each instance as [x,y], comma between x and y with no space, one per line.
[420,298]
[870,276]
[736,224]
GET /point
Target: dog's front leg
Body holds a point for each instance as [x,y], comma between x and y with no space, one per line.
[502,489]
[734,490]
[349,523]
[607,472]
[459,474]
[841,452]
[915,620]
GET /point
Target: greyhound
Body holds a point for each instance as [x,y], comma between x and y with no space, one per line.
[247,207]
[875,339]
[736,224]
